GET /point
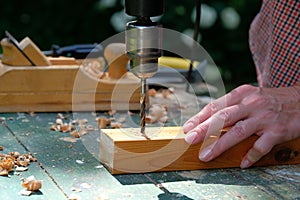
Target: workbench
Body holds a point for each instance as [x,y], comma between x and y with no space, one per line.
[71,168]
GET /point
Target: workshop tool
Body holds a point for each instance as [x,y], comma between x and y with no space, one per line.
[143,44]
[61,83]
[167,150]
[17,45]
[117,60]
[77,51]
[25,53]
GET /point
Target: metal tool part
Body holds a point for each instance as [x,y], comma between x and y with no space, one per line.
[143,44]
[17,45]
[77,51]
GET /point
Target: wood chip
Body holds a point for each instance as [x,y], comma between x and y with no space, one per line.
[152,92]
[79,162]
[74,197]
[75,134]
[68,139]
[102,122]
[25,192]
[21,169]
[31,184]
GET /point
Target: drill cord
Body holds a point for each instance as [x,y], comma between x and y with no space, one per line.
[196,33]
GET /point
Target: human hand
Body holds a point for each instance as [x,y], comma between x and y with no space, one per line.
[271,113]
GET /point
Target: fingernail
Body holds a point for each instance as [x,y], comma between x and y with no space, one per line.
[245,164]
[190,137]
[188,126]
[205,154]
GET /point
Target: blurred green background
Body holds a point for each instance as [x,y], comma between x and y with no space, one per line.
[223,32]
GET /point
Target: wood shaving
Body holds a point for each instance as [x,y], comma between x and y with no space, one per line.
[90,128]
[59,121]
[112,112]
[74,197]
[122,120]
[32,114]
[25,192]
[103,197]
[79,162]
[102,122]
[86,185]
[61,126]
[8,162]
[152,92]
[116,125]
[21,169]
[166,93]
[158,113]
[130,113]
[31,184]
[83,121]
[75,134]
[68,139]
[60,116]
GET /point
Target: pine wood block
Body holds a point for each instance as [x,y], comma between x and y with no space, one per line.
[124,151]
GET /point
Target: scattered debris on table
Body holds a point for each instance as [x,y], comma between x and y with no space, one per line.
[14,161]
[31,185]
[61,125]
[158,113]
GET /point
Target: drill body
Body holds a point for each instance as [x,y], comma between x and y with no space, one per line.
[143,40]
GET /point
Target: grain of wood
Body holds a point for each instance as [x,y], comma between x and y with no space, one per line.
[125,151]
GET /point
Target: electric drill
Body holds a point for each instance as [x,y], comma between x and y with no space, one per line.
[143,40]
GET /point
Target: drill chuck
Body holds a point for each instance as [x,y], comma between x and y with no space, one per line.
[143,46]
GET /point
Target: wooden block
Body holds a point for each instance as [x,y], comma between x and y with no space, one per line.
[34,53]
[124,151]
[11,55]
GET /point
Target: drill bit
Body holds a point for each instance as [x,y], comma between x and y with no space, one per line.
[143,106]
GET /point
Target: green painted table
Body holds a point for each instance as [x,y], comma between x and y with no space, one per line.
[72,168]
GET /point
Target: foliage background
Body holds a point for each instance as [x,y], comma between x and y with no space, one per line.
[67,22]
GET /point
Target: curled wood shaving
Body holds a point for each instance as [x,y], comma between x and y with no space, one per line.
[166,93]
[102,122]
[116,125]
[158,113]
[74,197]
[152,92]
[62,126]
[31,184]
[75,134]
[8,162]
[112,112]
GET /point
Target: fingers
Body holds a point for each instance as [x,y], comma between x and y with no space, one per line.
[261,147]
[230,99]
[205,113]
[239,132]
[212,126]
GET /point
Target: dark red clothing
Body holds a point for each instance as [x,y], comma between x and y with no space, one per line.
[275,43]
